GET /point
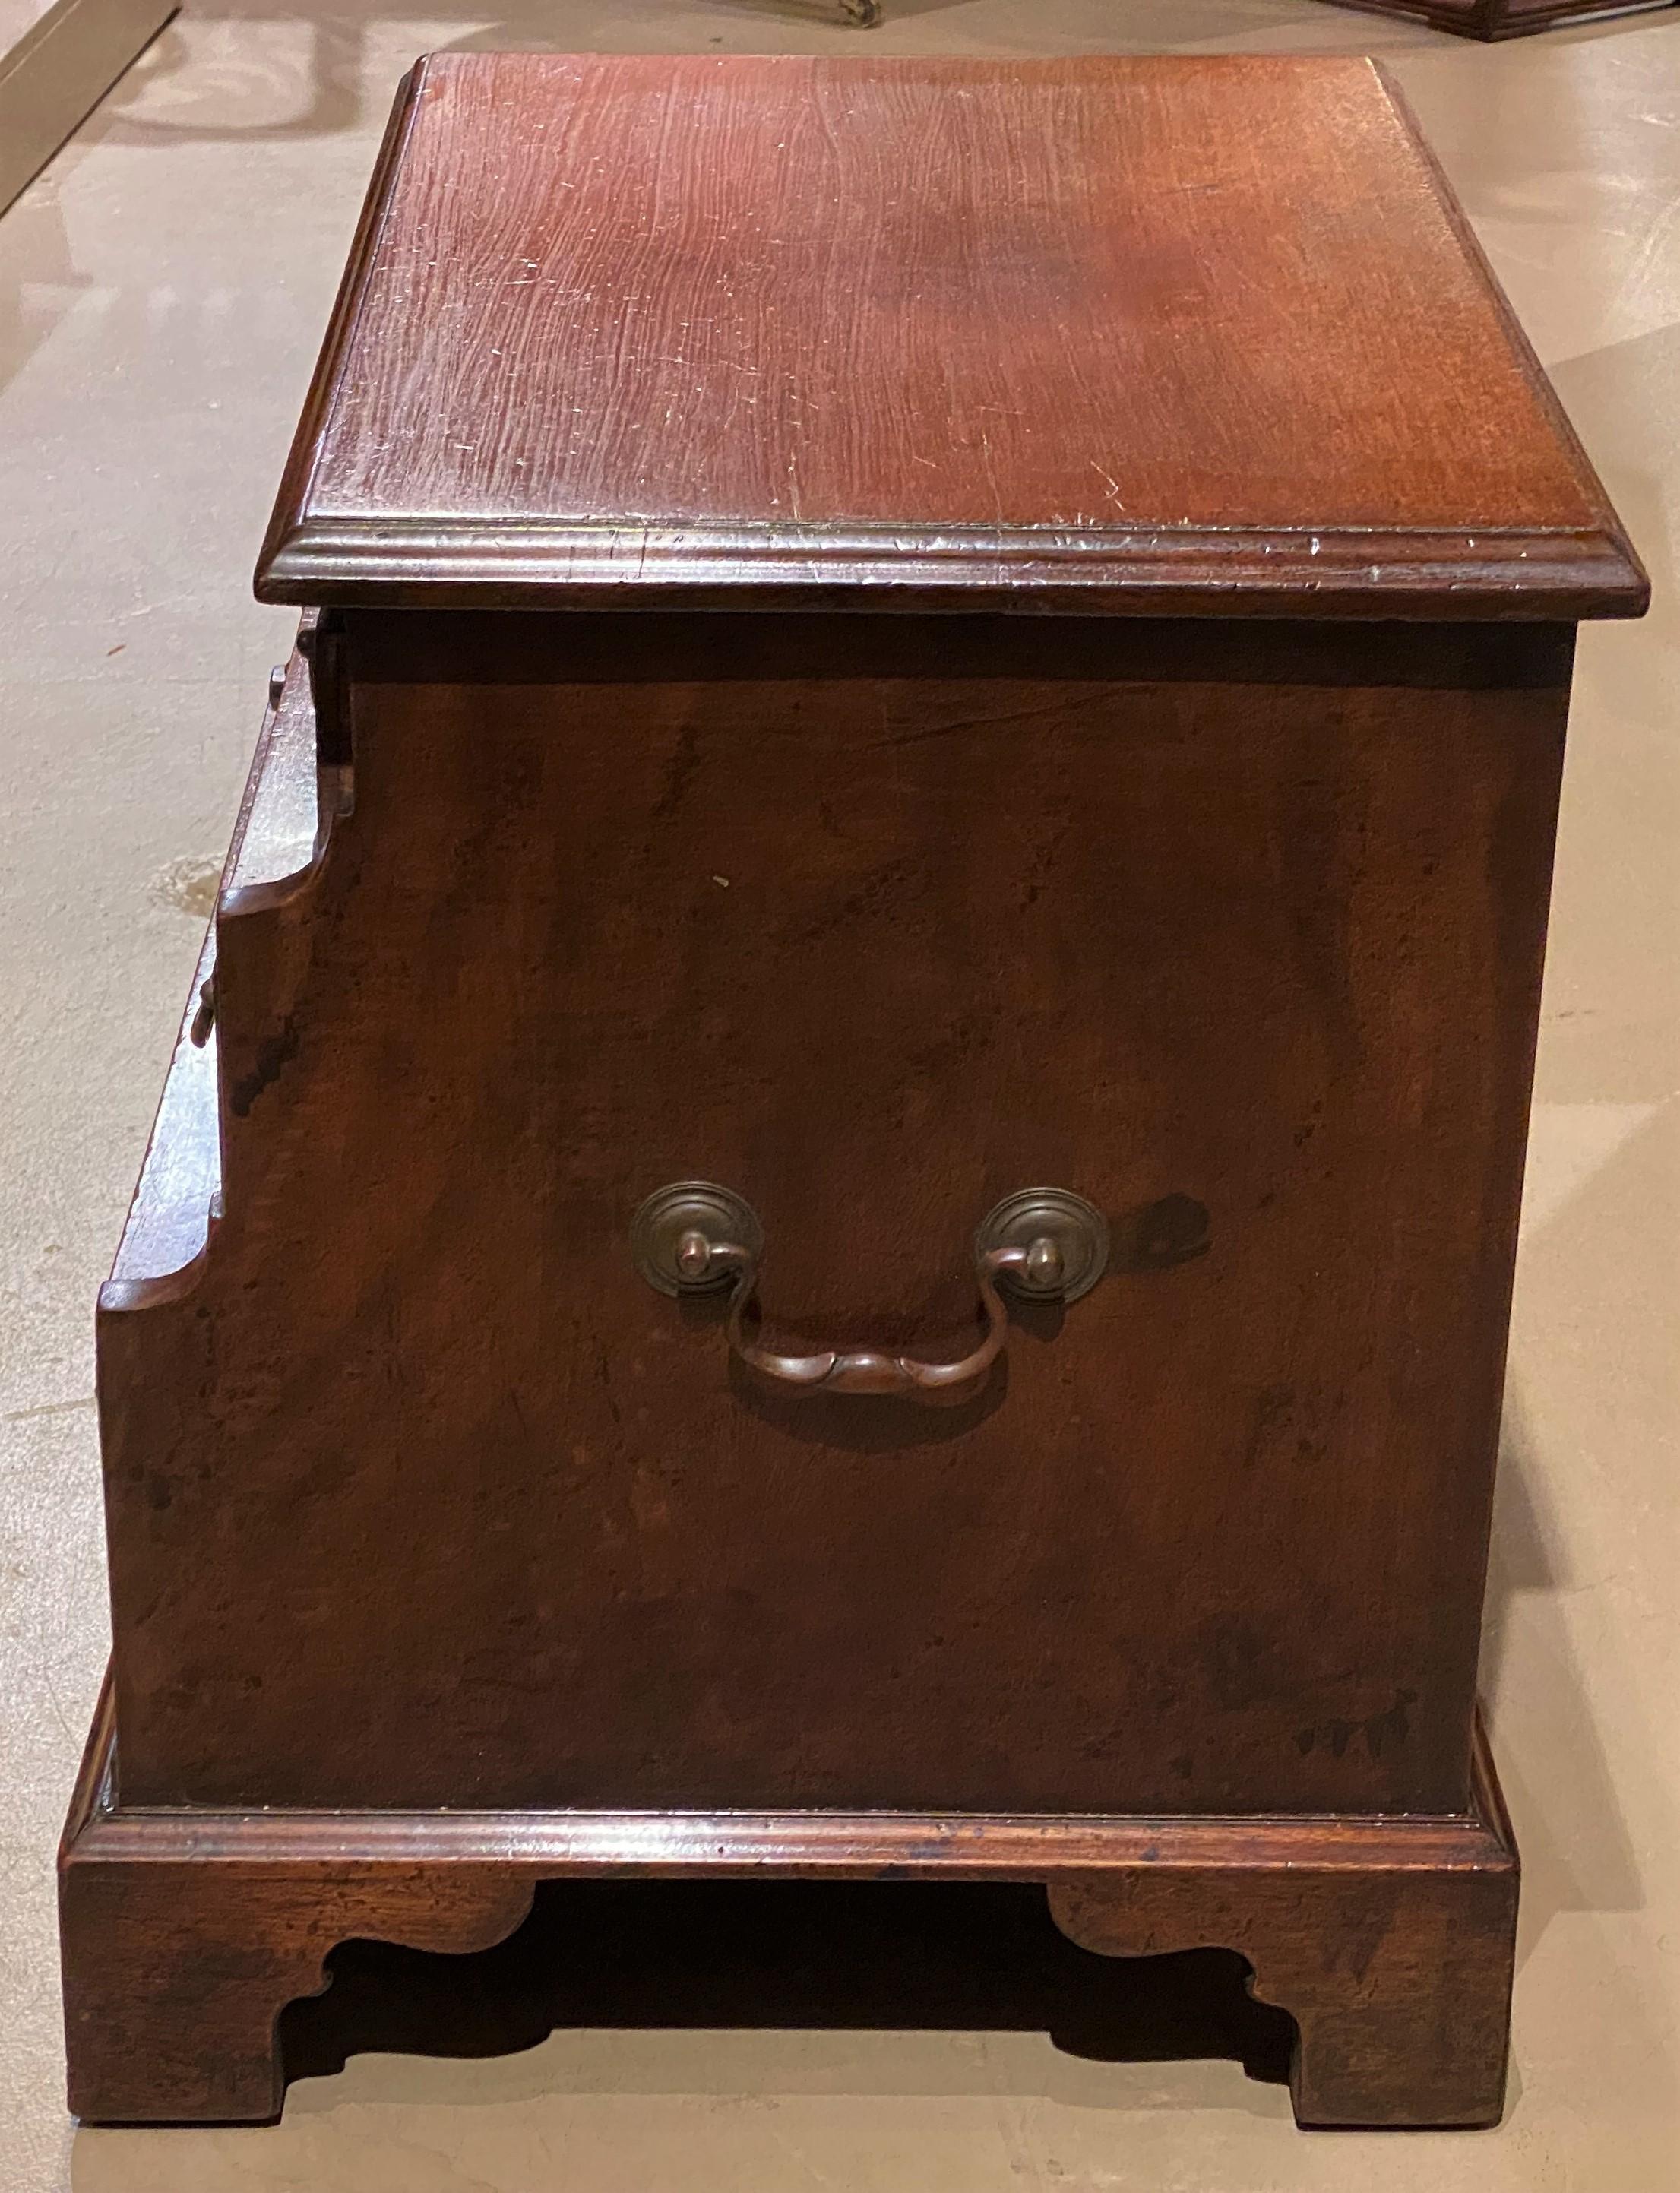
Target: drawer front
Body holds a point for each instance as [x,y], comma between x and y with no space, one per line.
[421,1493]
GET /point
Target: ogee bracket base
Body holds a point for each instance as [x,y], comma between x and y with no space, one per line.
[186,1933]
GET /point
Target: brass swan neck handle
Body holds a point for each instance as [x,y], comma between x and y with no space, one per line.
[1042,1244]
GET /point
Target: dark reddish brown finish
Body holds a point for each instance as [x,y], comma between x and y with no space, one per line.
[1492,20]
[177,1963]
[1197,334]
[1395,1963]
[185,1935]
[1032,916]
[445,1552]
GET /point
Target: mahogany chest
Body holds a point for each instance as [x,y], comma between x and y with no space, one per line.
[842,1193]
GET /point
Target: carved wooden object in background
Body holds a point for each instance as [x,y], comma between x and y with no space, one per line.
[1494,20]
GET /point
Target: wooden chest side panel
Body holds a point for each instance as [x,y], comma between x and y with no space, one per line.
[419,1495]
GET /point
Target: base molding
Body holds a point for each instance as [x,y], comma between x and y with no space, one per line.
[1390,1941]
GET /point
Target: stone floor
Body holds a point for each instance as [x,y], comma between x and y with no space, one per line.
[163,287]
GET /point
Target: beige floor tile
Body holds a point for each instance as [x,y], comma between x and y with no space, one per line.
[162,291]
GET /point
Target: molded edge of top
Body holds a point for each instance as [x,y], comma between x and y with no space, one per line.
[1157,572]
[446,563]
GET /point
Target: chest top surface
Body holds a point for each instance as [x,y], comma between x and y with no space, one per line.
[1164,335]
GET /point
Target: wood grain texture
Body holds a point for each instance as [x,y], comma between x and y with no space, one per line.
[186,1933]
[175,1970]
[274,836]
[1215,1540]
[1169,335]
[1398,1975]
[446,1554]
